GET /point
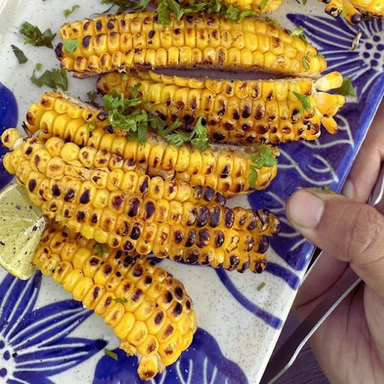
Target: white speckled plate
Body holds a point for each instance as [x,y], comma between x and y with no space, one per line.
[45,337]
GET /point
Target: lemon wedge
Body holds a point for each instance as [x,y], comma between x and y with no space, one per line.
[21,227]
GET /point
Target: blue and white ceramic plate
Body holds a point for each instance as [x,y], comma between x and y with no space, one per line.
[45,337]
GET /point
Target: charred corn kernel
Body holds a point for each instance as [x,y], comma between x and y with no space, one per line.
[157,157]
[194,41]
[354,10]
[138,329]
[142,220]
[244,112]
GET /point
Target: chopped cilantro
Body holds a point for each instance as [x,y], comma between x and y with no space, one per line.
[56,78]
[260,286]
[304,2]
[346,88]
[69,12]
[326,189]
[199,137]
[344,13]
[101,249]
[22,59]
[34,36]
[71,45]
[126,5]
[305,101]
[111,354]
[91,126]
[299,32]
[319,56]
[92,97]
[263,158]
[121,300]
[271,21]
[263,4]
[305,61]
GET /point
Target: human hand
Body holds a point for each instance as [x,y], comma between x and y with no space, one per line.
[349,345]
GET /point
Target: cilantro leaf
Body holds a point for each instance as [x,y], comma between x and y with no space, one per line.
[22,59]
[34,36]
[304,2]
[305,101]
[263,4]
[299,32]
[91,126]
[126,5]
[69,12]
[111,354]
[200,136]
[71,45]
[101,249]
[164,13]
[121,300]
[56,78]
[346,88]
[92,97]
[305,61]
[326,189]
[263,158]
[260,286]
[344,13]
[247,13]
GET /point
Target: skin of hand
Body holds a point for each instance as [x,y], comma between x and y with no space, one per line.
[349,345]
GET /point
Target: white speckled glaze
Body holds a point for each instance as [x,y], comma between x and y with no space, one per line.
[242,337]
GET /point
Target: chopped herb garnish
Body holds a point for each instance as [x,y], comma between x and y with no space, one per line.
[199,137]
[34,36]
[221,9]
[111,354]
[71,45]
[344,13]
[92,97]
[346,88]
[260,286]
[305,61]
[305,101]
[304,2]
[126,5]
[101,249]
[56,78]
[299,32]
[319,56]
[69,12]
[121,300]
[263,4]
[326,189]
[263,158]
[22,59]
[91,126]
[271,21]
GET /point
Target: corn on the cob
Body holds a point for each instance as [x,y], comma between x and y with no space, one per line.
[125,41]
[148,309]
[354,10]
[237,111]
[209,234]
[226,169]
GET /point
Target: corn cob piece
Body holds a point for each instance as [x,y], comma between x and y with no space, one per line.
[354,10]
[225,169]
[236,111]
[148,309]
[125,41]
[209,234]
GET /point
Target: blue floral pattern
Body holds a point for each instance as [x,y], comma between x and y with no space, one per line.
[202,363]
[35,343]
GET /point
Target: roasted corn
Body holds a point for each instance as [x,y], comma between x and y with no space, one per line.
[206,233]
[354,10]
[225,169]
[237,111]
[148,309]
[138,40]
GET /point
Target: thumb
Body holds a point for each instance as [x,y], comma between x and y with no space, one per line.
[349,231]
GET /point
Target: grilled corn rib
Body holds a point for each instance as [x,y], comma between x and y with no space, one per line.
[209,234]
[236,111]
[148,309]
[354,10]
[225,169]
[138,40]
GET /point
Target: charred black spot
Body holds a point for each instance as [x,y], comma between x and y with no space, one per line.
[191,238]
[149,209]
[229,218]
[85,197]
[225,172]
[263,244]
[209,193]
[203,217]
[96,292]
[133,207]
[179,236]
[128,246]
[168,298]
[193,216]
[138,271]
[99,25]
[215,217]
[197,192]
[234,261]
[159,317]
[86,40]
[137,295]
[28,151]
[119,253]
[135,233]
[94,261]
[116,202]
[151,34]
[109,129]
[80,216]
[260,265]
[127,261]
[32,185]
[203,238]
[236,115]
[179,293]
[177,31]
[177,311]
[59,50]
[144,185]
[137,50]
[192,256]
[94,218]
[110,25]
[246,112]
[190,19]
[218,136]
[148,280]
[107,269]
[259,112]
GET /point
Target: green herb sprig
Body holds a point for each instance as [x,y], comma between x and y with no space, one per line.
[125,5]
[21,58]
[305,101]
[69,11]
[56,78]
[346,88]
[263,158]
[34,36]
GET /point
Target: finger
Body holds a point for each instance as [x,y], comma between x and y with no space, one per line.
[366,167]
[350,231]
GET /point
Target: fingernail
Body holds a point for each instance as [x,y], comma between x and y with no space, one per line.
[348,190]
[304,209]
